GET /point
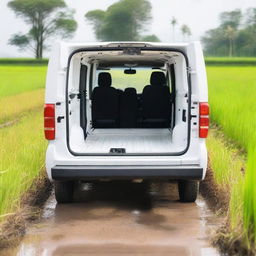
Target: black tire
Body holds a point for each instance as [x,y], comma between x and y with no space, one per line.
[188,190]
[64,191]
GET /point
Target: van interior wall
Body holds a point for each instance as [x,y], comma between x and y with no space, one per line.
[135,139]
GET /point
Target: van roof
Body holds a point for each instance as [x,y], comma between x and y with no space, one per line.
[122,44]
[62,50]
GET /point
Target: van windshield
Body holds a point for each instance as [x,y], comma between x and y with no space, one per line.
[139,80]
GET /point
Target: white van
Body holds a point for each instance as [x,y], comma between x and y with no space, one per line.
[126,110]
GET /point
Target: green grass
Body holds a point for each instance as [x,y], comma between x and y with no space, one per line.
[22,155]
[19,79]
[232,92]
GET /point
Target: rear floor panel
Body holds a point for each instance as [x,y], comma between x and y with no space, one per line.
[132,140]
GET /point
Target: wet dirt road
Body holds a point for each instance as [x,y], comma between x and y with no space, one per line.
[121,219]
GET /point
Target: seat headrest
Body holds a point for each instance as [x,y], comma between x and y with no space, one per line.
[130,90]
[104,79]
[157,78]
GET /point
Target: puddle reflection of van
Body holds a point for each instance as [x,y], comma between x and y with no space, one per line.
[126,111]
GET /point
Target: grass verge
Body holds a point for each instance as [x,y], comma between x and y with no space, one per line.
[13,107]
[13,226]
[21,158]
[227,186]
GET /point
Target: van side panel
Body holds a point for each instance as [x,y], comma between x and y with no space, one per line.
[198,72]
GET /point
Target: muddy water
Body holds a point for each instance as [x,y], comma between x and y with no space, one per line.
[121,219]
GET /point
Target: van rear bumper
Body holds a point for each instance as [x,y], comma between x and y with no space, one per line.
[62,172]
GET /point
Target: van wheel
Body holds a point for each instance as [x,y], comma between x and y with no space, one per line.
[64,191]
[188,190]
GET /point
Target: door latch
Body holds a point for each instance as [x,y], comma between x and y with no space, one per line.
[59,118]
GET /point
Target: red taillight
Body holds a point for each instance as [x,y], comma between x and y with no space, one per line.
[203,119]
[49,121]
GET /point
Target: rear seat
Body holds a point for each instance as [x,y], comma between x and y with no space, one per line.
[129,108]
[156,102]
[113,108]
[105,103]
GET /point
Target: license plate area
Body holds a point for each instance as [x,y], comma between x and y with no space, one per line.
[117,151]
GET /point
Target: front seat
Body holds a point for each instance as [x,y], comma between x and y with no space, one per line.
[105,103]
[156,102]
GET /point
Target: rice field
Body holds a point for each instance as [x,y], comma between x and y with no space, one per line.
[19,79]
[21,100]
[232,92]
[21,90]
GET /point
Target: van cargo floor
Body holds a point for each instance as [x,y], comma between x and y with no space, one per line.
[132,140]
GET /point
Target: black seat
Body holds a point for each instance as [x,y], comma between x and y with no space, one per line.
[129,108]
[156,102]
[105,103]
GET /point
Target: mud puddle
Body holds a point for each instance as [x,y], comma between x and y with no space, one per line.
[121,219]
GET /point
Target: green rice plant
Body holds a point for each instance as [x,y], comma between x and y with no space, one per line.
[249,208]
[14,106]
[18,79]
[22,156]
[232,93]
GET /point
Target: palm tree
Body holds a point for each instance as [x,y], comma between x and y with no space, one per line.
[174,23]
[230,34]
[185,31]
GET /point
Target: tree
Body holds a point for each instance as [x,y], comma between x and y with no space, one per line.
[232,19]
[230,34]
[246,40]
[251,17]
[223,40]
[215,44]
[174,23]
[185,30]
[150,38]
[122,21]
[46,18]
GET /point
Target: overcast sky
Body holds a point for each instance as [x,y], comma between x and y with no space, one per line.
[199,15]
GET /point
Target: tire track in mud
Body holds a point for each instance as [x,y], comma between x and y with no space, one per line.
[121,219]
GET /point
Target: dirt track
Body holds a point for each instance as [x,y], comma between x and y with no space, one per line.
[121,219]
